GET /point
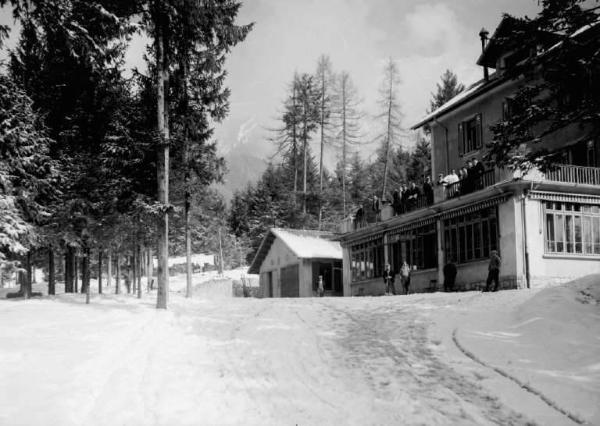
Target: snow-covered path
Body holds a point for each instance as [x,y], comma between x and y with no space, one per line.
[387,360]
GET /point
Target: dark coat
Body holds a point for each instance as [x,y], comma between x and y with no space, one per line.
[450,271]
[389,275]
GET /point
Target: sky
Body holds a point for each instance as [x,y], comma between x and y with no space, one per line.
[424,37]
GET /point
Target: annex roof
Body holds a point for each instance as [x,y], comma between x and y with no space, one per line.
[306,244]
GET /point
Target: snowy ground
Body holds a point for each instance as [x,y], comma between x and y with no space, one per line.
[341,361]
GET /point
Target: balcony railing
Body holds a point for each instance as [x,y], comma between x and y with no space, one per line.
[574,174]
[388,211]
[469,185]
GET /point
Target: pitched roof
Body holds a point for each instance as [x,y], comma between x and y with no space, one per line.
[469,93]
[306,244]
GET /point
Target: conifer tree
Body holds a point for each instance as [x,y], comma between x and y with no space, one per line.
[447,89]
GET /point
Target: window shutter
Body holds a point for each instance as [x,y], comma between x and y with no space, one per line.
[479,131]
[461,140]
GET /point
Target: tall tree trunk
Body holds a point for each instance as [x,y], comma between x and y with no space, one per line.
[188,247]
[100,271]
[118,276]
[150,269]
[68,272]
[305,149]
[129,281]
[163,158]
[344,146]
[75,273]
[388,137]
[83,267]
[134,262]
[294,142]
[220,254]
[109,268]
[85,272]
[323,95]
[26,281]
[51,272]
[139,272]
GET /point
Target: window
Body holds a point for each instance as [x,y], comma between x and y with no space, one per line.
[418,247]
[470,135]
[472,236]
[507,108]
[366,260]
[572,228]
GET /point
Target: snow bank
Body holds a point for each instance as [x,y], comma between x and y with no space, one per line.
[551,341]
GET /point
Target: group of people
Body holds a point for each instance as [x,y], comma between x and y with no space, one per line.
[450,272]
[405,198]
[389,278]
[468,179]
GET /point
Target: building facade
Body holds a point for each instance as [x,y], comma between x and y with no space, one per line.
[290,261]
[546,227]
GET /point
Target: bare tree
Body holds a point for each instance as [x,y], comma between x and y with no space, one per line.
[346,118]
[324,82]
[390,115]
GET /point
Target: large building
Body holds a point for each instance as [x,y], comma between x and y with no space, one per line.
[546,227]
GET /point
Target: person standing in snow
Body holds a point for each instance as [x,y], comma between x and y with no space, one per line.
[449,275]
[405,275]
[493,271]
[389,277]
[320,288]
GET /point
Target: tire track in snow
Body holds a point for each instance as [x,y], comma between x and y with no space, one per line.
[417,369]
[523,385]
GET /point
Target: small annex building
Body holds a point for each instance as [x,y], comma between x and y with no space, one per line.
[289,262]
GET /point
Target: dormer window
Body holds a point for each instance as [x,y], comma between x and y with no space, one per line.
[470,135]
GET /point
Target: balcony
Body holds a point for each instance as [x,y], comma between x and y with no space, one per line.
[349,224]
[467,186]
[567,173]
[560,174]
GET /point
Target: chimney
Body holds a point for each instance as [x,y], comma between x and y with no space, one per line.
[483,35]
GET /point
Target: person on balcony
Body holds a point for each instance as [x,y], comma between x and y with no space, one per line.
[396,202]
[377,208]
[413,196]
[478,171]
[428,190]
[451,184]
[404,197]
[359,217]
[441,180]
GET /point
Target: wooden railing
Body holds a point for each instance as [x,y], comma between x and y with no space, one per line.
[574,174]
[469,185]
